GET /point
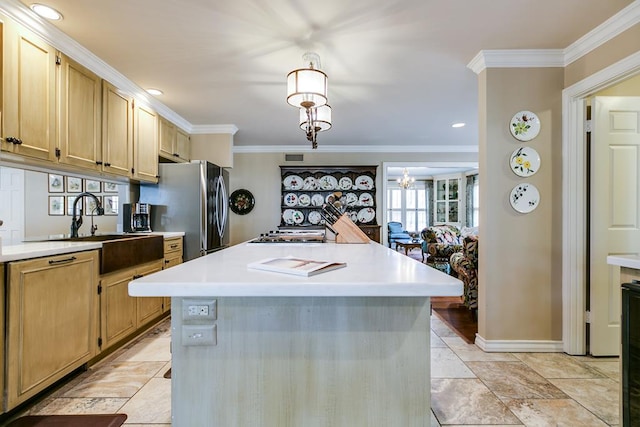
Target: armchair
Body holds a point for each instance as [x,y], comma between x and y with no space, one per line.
[465,263]
[396,232]
[439,243]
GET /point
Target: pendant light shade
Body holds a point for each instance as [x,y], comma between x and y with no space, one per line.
[306,88]
[320,118]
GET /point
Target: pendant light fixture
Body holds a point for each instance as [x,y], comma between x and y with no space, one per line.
[307,90]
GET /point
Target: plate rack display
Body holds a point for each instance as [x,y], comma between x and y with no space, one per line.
[304,189]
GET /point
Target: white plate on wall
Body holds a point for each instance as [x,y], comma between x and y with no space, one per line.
[524,198]
[290,199]
[524,161]
[524,126]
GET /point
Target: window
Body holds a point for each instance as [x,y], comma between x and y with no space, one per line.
[473,201]
[407,206]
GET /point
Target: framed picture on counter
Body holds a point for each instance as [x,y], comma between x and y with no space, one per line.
[74,185]
[92,186]
[56,205]
[56,183]
[110,205]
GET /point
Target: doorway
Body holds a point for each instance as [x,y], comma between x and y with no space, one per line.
[575,197]
[422,170]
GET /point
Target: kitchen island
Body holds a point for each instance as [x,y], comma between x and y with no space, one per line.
[349,347]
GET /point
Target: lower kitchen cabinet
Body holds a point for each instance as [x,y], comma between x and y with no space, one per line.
[121,314]
[2,304]
[172,256]
[52,321]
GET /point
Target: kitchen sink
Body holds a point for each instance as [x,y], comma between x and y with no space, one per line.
[120,251]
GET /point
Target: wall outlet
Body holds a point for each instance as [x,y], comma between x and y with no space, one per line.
[193,309]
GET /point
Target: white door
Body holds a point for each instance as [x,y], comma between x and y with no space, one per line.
[615,214]
[11,205]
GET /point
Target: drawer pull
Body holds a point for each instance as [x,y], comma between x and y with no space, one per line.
[166,261]
[137,276]
[61,261]
[174,246]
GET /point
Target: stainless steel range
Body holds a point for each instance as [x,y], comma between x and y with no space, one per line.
[290,236]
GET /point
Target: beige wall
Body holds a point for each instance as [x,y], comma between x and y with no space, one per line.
[629,87]
[520,270]
[260,174]
[216,148]
[609,53]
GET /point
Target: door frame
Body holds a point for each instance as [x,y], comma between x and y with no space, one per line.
[574,204]
[385,165]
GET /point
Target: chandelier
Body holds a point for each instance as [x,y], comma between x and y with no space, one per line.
[406,182]
[307,90]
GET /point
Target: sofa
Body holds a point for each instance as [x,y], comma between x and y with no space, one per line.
[439,243]
[396,232]
[465,264]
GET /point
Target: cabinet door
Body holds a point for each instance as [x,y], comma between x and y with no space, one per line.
[117,131]
[118,309]
[149,307]
[51,321]
[28,114]
[183,145]
[79,118]
[145,141]
[167,139]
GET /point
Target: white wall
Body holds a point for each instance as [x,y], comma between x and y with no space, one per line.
[39,223]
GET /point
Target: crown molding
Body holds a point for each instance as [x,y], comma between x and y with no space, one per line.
[612,27]
[356,149]
[516,58]
[536,58]
[209,129]
[61,41]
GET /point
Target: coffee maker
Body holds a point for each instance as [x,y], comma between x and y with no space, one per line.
[136,217]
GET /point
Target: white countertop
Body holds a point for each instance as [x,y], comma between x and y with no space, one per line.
[629,261]
[37,249]
[28,250]
[372,270]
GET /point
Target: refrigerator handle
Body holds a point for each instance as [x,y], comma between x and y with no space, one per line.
[203,211]
[221,205]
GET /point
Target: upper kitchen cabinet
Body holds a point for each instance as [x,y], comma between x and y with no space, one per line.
[145,141]
[117,131]
[80,139]
[29,94]
[174,143]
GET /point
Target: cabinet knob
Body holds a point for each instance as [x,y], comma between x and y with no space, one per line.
[107,164]
[98,162]
[13,140]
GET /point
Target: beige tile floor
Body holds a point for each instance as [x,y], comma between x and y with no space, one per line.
[469,387]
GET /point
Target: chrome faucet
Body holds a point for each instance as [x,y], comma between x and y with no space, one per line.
[76,222]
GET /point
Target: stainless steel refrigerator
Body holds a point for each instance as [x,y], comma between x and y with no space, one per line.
[191,197]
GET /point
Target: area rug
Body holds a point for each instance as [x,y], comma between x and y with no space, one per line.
[457,316]
[110,420]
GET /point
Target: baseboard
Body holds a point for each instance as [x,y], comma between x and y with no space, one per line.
[518,346]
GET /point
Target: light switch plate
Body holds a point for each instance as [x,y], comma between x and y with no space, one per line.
[199,335]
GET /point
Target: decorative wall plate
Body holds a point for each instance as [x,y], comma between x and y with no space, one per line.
[524,198]
[524,161]
[290,199]
[241,201]
[524,126]
[293,182]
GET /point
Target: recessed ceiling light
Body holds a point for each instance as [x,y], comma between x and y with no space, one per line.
[155,92]
[46,12]
[457,125]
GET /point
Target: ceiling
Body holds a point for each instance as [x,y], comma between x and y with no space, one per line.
[397,69]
